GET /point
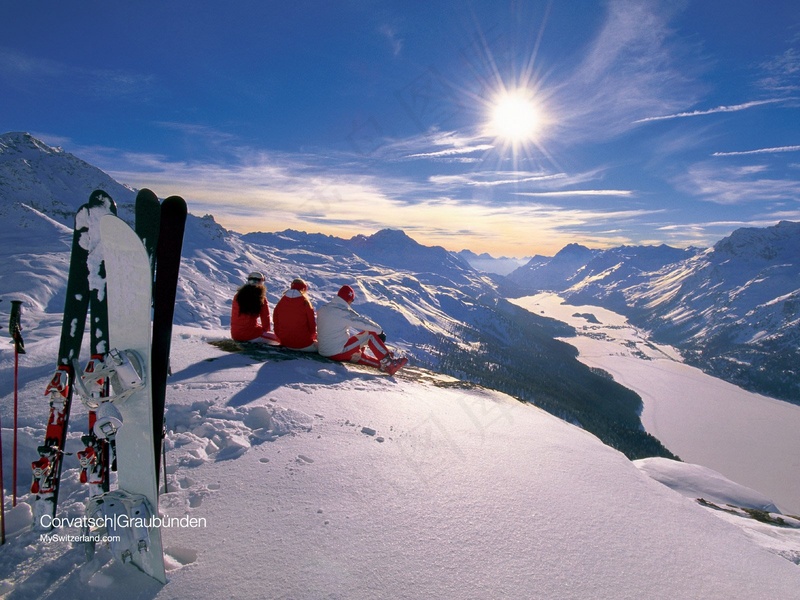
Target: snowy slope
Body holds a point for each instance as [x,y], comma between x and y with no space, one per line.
[316,480]
[42,177]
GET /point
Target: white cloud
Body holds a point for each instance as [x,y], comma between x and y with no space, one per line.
[452,151]
[711,111]
[577,193]
[760,151]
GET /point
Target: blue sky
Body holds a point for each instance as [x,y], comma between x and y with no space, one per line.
[644,122]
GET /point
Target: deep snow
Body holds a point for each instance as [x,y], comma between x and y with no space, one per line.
[318,480]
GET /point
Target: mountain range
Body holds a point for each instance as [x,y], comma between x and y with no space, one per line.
[431,303]
[732,309]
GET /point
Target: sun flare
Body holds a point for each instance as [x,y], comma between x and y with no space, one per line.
[515,118]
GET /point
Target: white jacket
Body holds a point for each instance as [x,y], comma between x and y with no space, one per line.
[336,323]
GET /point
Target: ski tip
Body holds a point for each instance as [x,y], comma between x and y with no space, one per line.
[146,195]
[176,202]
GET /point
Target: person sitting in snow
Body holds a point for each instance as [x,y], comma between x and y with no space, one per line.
[294,320]
[250,312]
[346,336]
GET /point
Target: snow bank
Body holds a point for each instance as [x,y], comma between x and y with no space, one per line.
[695,481]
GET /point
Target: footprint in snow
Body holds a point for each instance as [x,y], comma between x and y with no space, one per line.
[196,499]
[304,460]
[177,557]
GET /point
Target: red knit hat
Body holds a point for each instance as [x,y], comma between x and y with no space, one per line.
[347,294]
[299,285]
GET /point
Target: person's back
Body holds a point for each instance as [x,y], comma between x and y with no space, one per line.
[346,336]
[334,321]
[294,320]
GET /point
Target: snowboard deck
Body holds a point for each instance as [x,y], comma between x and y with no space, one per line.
[128,278]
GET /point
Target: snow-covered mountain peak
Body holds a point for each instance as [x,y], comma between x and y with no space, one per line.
[781,242]
[23,143]
[386,237]
[574,249]
[49,179]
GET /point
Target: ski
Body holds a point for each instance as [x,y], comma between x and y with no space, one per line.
[168,262]
[47,469]
[147,224]
[96,459]
[126,416]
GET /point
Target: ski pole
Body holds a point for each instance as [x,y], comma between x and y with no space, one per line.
[164,456]
[15,329]
[2,493]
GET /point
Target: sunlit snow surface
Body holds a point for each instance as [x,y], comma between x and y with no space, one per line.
[751,439]
[318,480]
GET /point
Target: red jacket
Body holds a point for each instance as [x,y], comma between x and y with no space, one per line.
[248,327]
[295,324]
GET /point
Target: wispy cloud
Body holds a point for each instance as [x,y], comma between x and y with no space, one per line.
[22,70]
[782,73]
[272,191]
[711,111]
[450,152]
[492,179]
[760,151]
[632,69]
[394,40]
[736,185]
[577,193]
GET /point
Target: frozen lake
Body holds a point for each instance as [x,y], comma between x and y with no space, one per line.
[751,439]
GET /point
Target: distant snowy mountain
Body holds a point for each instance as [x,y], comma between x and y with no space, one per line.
[431,303]
[487,263]
[732,309]
[552,274]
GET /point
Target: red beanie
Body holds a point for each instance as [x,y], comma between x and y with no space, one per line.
[347,294]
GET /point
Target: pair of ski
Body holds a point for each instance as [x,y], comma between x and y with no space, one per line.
[116,267]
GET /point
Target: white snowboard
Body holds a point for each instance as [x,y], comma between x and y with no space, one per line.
[128,285]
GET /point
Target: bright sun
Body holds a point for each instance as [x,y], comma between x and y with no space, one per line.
[515,118]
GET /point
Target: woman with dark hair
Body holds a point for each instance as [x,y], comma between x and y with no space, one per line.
[250,312]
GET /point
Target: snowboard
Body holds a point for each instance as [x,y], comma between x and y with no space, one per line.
[128,279]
